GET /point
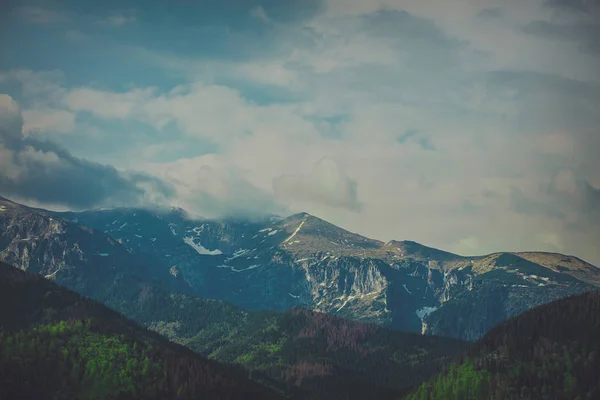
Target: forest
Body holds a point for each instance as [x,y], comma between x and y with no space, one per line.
[549,352]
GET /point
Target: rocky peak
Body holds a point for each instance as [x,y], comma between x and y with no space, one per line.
[305,233]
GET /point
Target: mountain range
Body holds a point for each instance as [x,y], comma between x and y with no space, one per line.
[298,261]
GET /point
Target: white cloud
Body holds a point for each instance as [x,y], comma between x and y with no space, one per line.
[45,119]
[326,183]
[106,104]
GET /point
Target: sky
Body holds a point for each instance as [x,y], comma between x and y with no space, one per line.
[468,125]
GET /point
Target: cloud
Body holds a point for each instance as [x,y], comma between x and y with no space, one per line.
[119,19]
[327,184]
[211,187]
[490,13]
[414,136]
[581,7]
[106,104]
[260,13]
[43,172]
[45,119]
[584,34]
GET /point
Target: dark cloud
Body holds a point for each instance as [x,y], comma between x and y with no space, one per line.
[575,6]
[522,204]
[587,35]
[548,103]
[44,172]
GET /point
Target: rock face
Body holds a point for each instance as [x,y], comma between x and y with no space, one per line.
[305,261]
[71,254]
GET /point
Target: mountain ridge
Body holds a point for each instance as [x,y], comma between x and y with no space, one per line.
[305,261]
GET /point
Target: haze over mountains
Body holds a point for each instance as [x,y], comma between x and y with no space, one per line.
[301,260]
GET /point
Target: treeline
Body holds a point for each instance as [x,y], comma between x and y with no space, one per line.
[549,352]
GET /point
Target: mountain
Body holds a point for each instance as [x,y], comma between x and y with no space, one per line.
[57,344]
[293,349]
[549,352]
[304,261]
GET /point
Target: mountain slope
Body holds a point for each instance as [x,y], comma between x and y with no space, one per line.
[328,356]
[549,352]
[56,344]
[71,254]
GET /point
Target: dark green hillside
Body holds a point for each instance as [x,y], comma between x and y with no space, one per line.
[54,344]
[549,352]
[328,356]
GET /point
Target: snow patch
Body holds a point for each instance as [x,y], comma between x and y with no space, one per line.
[237,253]
[239,270]
[265,230]
[294,296]
[272,232]
[51,275]
[295,232]
[425,311]
[198,229]
[405,288]
[2,208]
[303,259]
[201,249]
[138,236]
[103,254]
[123,226]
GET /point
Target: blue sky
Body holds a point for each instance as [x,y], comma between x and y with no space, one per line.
[467,125]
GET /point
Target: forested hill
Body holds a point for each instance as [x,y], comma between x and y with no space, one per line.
[56,344]
[549,352]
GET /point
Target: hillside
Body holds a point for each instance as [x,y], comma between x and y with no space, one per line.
[549,352]
[56,344]
[329,357]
